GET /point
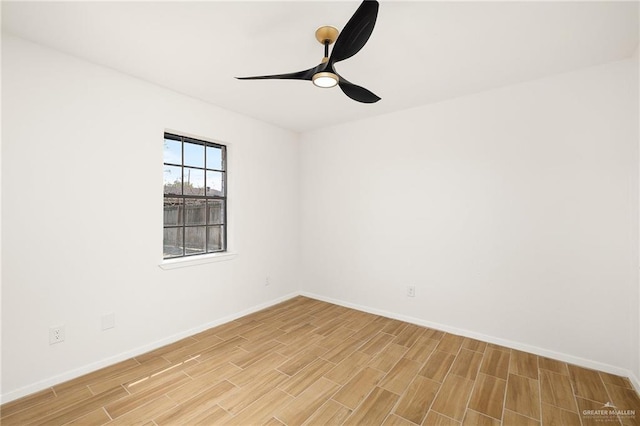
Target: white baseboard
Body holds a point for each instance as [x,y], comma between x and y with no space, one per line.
[635,382]
[77,372]
[583,362]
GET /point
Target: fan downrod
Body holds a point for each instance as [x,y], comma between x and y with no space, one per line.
[327,34]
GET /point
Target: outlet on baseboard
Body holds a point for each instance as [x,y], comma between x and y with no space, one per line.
[411,291]
[56,334]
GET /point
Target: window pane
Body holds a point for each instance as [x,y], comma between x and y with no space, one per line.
[215,212]
[194,240]
[172,151]
[193,155]
[193,181]
[172,180]
[173,213]
[214,158]
[214,183]
[195,212]
[172,242]
[216,238]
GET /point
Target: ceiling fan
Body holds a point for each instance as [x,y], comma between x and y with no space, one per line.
[353,37]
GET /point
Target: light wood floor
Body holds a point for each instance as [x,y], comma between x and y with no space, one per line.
[310,362]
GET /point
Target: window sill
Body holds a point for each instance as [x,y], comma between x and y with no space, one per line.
[183,262]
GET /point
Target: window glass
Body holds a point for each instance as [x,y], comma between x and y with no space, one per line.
[195,197]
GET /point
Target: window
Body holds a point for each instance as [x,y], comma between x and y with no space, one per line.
[195,197]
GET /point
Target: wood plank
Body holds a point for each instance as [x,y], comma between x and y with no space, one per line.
[488,396]
[257,354]
[95,418]
[261,411]
[303,407]
[198,403]
[473,418]
[586,409]
[296,335]
[337,337]
[215,372]
[437,419]
[612,379]
[588,384]
[301,360]
[214,416]
[453,397]
[355,391]
[187,391]
[388,357]
[437,366]
[26,402]
[556,390]
[496,363]
[434,334]
[331,413]
[105,373]
[523,396]
[450,343]
[394,420]
[553,365]
[392,326]
[467,364]
[342,350]
[368,331]
[223,352]
[246,376]
[157,353]
[376,343]
[421,349]
[625,399]
[50,405]
[147,391]
[403,373]
[552,415]
[374,409]
[511,418]
[82,408]
[415,402]
[259,386]
[306,377]
[144,414]
[138,372]
[524,364]
[348,367]
[474,345]
[259,335]
[409,335]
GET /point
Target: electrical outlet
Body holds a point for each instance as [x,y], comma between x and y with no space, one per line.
[411,291]
[267,281]
[56,334]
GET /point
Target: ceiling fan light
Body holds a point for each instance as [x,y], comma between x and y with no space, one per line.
[325,79]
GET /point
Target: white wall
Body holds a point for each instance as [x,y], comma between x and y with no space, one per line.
[514,212]
[82,150]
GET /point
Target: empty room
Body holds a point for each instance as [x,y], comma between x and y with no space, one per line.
[320,212]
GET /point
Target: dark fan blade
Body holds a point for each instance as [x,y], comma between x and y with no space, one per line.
[357,93]
[357,31]
[300,75]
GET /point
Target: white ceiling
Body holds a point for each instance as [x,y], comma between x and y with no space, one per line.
[419,53]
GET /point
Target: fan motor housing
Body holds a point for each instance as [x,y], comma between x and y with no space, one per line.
[327,33]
